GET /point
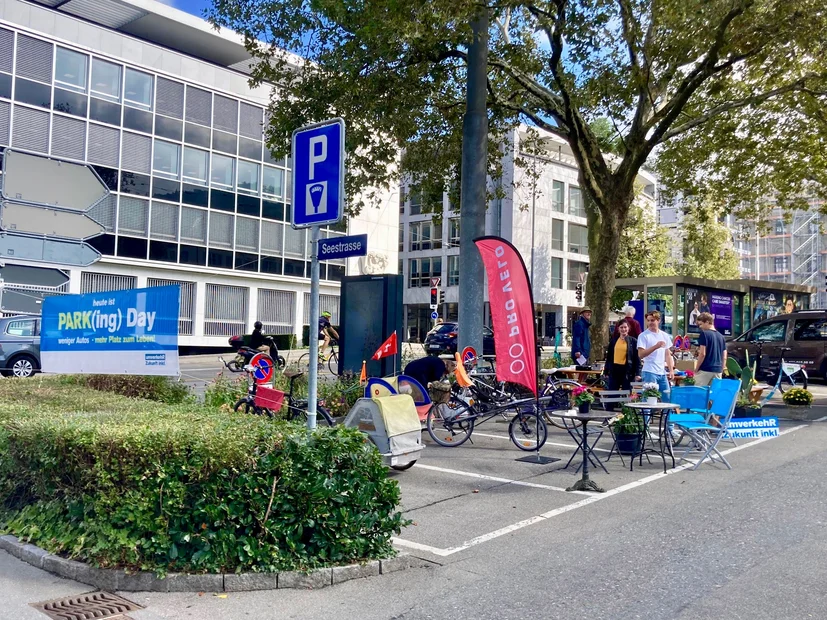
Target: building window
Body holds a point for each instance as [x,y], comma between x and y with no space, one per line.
[70,70]
[453,232]
[401,203]
[248,177]
[779,227]
[166,158]
[106,80]
[556,273]
[557,234]
[781,264]
[426,236]
[223,171]
[273,183]
[138,89]
[195,166]
[401,240]
[558,203]
[422,270]
[578,239]
[576,270]
[576,206]
[425,202]
[453,271]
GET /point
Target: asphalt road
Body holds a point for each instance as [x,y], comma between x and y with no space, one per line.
[507,542]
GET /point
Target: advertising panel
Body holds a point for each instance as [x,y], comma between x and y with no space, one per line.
[133,332]
[766,304]
[718,304]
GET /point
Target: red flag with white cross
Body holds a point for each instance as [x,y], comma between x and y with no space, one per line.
[387,349]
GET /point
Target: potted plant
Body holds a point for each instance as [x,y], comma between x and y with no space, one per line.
[582,398]
[628,428]
[689,378]
[746,408]
[747,405]
[798,400]
[650,393]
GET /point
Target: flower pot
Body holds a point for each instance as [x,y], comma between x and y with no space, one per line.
[584,407]
[747,412]
[651,400]
[797,412]
[628,443]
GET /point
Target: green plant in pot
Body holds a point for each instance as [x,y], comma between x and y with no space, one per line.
[746,406]
[628,428]
[798,397]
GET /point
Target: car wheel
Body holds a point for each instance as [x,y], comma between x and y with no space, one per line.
[23,366]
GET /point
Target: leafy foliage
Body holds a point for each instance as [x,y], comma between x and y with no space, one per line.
[162,389]
[798,396]
[628,422]
[708,251]
[139,484]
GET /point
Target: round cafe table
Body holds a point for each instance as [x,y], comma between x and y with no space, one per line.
[585,483]
[661,410]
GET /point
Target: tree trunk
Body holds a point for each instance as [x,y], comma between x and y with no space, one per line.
[604,247]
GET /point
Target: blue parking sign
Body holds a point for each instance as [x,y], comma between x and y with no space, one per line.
[318,173]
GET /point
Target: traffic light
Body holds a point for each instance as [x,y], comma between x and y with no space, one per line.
[434,296]
[441,297]
[578,292]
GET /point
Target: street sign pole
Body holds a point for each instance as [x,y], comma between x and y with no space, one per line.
[313,332]
[318,198]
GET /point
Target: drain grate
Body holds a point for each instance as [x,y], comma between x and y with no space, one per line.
[92,605]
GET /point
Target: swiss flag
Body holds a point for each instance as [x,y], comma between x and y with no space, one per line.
[388,348]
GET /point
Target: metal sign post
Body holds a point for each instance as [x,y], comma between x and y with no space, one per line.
[318,198]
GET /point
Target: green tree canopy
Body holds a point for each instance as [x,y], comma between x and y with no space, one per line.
[730,91]
[707,243]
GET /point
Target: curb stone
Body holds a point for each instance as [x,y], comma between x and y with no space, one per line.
[113,579]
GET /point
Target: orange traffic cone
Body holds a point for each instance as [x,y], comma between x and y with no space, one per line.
[363,376]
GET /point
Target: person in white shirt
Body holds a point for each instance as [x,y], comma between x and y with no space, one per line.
[653,347]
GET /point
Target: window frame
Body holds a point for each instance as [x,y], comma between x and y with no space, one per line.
[162,173]
[195,180]
[99,94]
[134,103]
[217,184]
[68,85]
[33,322]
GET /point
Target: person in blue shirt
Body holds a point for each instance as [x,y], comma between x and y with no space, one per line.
[581,341]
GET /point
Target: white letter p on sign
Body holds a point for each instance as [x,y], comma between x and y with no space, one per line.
[317,158]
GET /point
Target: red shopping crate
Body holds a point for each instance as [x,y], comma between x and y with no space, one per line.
[269,397]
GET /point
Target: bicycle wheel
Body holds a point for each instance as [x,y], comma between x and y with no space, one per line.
[528,431]
[450,424]
[333,363]
[245,406]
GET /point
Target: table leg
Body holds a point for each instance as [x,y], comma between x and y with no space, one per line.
[585,484]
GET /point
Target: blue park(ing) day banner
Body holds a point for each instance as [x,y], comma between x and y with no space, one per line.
[133,332]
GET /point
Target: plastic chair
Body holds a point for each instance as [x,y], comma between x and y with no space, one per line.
[691,398]
[706,436]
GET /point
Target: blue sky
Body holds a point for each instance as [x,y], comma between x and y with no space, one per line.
[196,7]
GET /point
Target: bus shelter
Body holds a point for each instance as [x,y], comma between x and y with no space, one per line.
[735,304]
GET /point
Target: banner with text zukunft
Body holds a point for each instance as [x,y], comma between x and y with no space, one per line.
[133,332]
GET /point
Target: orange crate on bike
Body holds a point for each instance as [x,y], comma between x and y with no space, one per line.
[269,397]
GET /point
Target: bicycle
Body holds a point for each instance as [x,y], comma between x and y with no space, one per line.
[297,407]
[248,403]
[790,371]
[332,360]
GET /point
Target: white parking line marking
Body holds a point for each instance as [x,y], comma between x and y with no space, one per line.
[583,502]
[821,419]
[548,443]
[469,474]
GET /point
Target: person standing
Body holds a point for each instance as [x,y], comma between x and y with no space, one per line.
[622,360]
[653,347]
[711,351]
[581,341]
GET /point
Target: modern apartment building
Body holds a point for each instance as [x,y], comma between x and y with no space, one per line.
[159,103]
[543,208]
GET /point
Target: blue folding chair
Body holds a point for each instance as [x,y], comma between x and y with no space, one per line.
[720,389]
[705,436]
[690,398]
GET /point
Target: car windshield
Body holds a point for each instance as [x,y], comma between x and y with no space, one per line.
[446,328]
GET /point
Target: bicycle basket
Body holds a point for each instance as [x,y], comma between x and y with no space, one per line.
[269,398]
[558,399]
[440,391]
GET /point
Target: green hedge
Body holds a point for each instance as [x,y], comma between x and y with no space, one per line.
[139,484]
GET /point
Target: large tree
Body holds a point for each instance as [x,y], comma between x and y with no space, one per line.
[730,91]
[707,243]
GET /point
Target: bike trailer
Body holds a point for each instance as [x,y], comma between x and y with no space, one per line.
[392,425]
[402,384]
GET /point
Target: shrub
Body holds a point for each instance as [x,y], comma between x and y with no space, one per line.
[142,485]
[161,389]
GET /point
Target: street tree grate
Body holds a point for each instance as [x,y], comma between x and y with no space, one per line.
[89,606]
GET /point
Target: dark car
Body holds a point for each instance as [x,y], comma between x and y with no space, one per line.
[802,335]
[443,339]
[19,346]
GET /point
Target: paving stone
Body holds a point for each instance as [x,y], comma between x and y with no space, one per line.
[314,579]
[33,555]
[355,571]
[400,562]
[178,582]
[10,544]
[142,582]
[245,582]
[105,579]
[60,566]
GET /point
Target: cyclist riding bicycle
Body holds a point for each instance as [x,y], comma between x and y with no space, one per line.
[326,332]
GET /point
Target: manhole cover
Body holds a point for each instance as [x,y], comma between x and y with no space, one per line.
[87,606]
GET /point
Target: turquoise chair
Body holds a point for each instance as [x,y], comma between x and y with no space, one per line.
[705,436]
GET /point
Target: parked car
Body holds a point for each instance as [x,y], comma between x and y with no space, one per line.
[19,346]
[443,339]
[804,332]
